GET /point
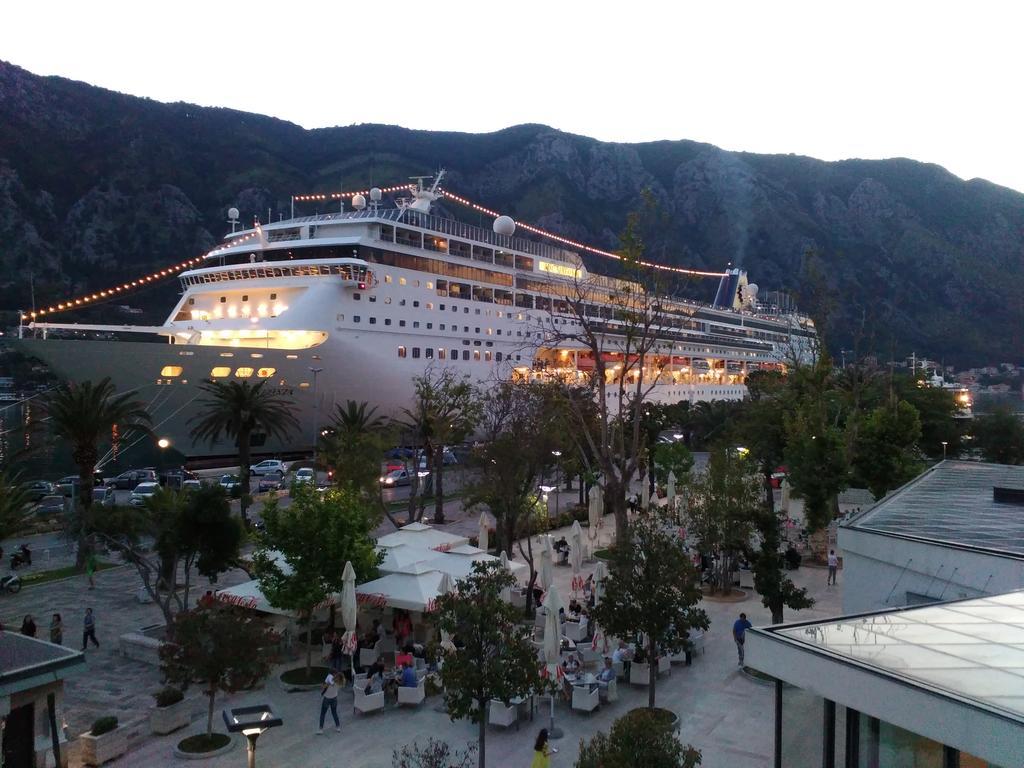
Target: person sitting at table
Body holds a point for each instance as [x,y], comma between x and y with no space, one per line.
[571,664]
[624,655]
[574,608]
[607,674]
[374,679]
[405,657]
[408,678]
[375,633]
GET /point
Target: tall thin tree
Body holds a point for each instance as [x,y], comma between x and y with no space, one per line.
[83,415]
[237,409]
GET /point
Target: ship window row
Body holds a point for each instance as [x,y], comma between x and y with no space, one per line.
[244,372]
[352,272]
[434,266]
[443,353]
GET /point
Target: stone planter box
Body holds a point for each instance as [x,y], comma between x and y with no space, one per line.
[163,720]
[97,750]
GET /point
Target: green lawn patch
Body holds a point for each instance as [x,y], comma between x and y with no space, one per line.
[203,743]
[42,577]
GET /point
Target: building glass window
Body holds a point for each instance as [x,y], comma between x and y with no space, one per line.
[356,318]
[429,353]
[441,353]
[455,354]
[415,352]
[401,351]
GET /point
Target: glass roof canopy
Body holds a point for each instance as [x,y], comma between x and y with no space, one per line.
[971,649]
[952,503]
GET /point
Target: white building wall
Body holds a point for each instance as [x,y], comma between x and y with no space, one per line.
[879,571]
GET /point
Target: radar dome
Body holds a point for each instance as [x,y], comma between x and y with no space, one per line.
[232,213]
[358,202]
[375,194]
[504,225]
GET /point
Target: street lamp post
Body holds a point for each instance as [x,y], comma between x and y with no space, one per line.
[558,468]
[316,419]
[251,722]
[944,444]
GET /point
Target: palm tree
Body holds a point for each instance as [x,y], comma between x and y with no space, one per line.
[353,445]
[82,414]
[236,410]
[14,501]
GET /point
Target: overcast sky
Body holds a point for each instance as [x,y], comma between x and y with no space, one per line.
[934,81]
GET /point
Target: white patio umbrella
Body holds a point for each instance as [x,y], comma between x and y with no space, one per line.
[506,594]
[671,489]
[553,648]
[576,555]
[600,574]
[349,613]
[484,532]
[594,510]
[446,586]
[547,559]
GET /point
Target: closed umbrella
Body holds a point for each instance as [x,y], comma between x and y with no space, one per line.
[506,594]
[482,539]
[594,510]
[446,586]
[547,558]
[671,489]
[576,556]
[600,574]
[349,611]
[553,649]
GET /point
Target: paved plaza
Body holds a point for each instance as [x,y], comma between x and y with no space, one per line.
[724,713]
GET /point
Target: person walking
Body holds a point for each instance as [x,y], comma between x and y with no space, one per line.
[329,701]
[542,751]
[89,629]
[28,626]
[56,630]
[739,630]
[90,569]
[833,566]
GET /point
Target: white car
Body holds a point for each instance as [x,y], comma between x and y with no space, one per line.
[268,467]
[304,475]
[396,477]
[229,482]
[142,492]
[191,485]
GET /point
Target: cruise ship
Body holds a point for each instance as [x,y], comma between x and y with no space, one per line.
[352,305]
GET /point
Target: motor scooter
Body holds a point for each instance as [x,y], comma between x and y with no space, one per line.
[22,556]
[10,583]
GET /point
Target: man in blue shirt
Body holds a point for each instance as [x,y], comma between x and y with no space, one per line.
[409,679]
[739,628]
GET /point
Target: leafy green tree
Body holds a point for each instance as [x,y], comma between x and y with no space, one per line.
[316,535]
[724,503]
[188,529]
[776,589]
[936,410]
[445,411]
[672,457]
[817,467]
[14,502]
[223,648]
[353,444]
[885,449]
[496,659]
[237,409]
[84,415]
[639,738]
[1000,436]
[653,589]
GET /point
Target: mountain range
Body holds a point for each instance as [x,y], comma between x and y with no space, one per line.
[902,256]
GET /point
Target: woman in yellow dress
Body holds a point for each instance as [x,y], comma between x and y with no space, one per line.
[541,751]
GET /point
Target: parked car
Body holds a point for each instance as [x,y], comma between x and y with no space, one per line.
[304,475]
[268,483]
[142,492]
[103,496]
[229,482]
[128,480]
[51,505]
[191,485]
[268,467]
[67,485]
[396,478]
[38,489]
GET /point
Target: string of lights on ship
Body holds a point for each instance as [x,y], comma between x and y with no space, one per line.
[98,297]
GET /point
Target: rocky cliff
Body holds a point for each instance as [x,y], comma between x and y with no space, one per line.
[96,186]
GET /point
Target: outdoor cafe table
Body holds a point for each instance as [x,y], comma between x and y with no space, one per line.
[587,680]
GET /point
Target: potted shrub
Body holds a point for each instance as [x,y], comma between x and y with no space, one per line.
[103,742]
[171,711]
